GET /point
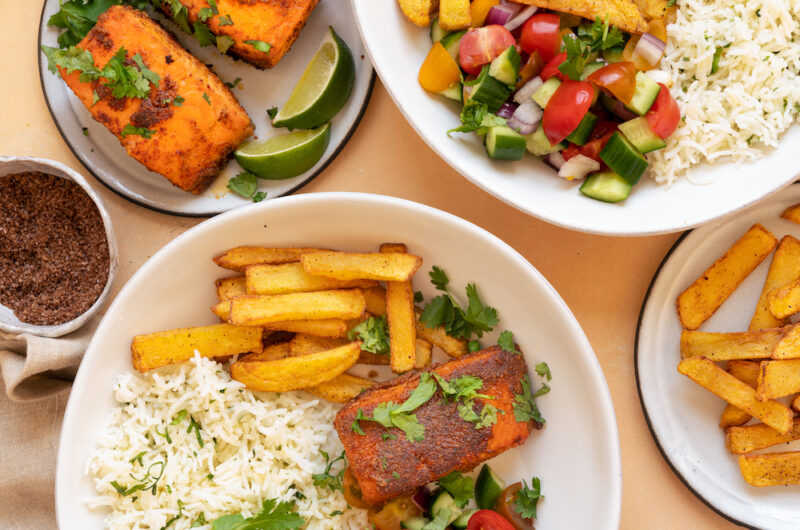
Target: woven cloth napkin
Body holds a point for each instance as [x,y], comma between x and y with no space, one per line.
[36,377]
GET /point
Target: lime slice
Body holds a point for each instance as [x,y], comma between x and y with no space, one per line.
[286,155]
[323,89]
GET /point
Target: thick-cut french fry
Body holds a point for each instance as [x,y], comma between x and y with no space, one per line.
[295,373]
[367,357]
[354,266]
[792,213]
[747,372]
[701,299]
[332,327]
[272,352]
[438,337]
[771,469]
[454,14]
[401,316]
[419,11]
[424,353]
[784,269]
[376,300]
[785,301]
[258,310]
[303,344]
[789,346]
[726,346]
[227,288]
[778,378]
[239,258]
[291,278]
[341,388]
[740,440]
[178,345]
[796,403]
[713,378]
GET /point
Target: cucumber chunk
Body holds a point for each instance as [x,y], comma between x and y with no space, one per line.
[613,55]
[606,186]
[414,523]
[591,68]
[537,143]
[546,91]
[452,43]
[488,487]
[641,136]
[437,32]
[623,158]
[462,520]
[454,91]
[583,131]
[504,143]
[486,89]
[645,94]
[505,67]
[443,500]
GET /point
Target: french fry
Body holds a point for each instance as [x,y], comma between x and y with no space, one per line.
[785,301]
[419,11]
[178,345]
[354,266]
[747,372]
[438,337]
[227,288]
[303,344]
[367,357]
[772,469]
[295,373]
[239,258]
[291,278]
[401,317]
[796,403]
[454,14]
[341,388]
[789,346]
[713,378]
[778,378]
[792,213]
[784,269]
[332,327]
[424,353]
[376,300]
[701,299]
[273,352]
[726,346]
[740,440]
[259,310]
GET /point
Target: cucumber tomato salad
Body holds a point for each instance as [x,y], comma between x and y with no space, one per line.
[582,94]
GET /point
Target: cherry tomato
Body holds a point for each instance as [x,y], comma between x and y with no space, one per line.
[618,79]
[566,109]
[488,520]
[504,505]
[352,491]
[531,69]
[664,116]
[551,68]
[480,45]
[600,136]
[542,32]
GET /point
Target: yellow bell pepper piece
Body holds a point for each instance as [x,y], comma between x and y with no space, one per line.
[478,10]
[439,70]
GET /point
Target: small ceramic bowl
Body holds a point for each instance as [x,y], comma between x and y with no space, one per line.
[19,164]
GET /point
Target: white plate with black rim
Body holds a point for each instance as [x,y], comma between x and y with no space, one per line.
[101,153]
[684,417]
[576,455]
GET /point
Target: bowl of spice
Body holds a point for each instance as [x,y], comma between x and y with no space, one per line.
[58,253]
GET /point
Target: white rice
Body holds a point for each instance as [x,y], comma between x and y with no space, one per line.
[739,112]
[267,446]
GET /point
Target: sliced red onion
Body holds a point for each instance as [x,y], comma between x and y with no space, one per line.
[501,13]
[528,89]
[650,48]
[621,111]
[521,18]
[660,76]
[578,167]
[506,110]
[555,160]
[526,118]
[422,498]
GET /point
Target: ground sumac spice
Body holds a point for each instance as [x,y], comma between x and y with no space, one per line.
[54,257]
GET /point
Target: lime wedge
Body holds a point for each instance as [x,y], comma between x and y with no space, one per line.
[323,88]
[286,155]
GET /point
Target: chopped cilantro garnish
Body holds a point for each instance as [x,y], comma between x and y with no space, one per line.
[259,45]
[400,416]
[525,408]
[196,426]
[418,297]
[506,342]
[234,84]
[326,479]
[225,20]
[144,132]
[78,17]
[475,117]
[203,34]
[148,482]
[273,515]
[85,131]
[373,333]
[178,101]
[178,516]
[259,196]
[459,486]
[245,184]
[715,60]
[205,97]
[179,417]
[543,370]
[577,57]
[272,112]
[224,43]
[600,35]
[439,278]
[528,498]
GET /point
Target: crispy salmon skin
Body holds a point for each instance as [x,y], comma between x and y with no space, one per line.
[190,143]
[386,464]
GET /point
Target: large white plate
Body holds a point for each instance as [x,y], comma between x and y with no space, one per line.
[397,49]
[101,153]
[683,417]
[576,455]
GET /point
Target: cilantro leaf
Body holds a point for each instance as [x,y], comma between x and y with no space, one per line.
[463,387]
[72,59]
[203,34]
[506,342]
[577,56]
[245,184]
[272,112]
[225,20]
[259,196]
[420,395]
[224,43]
[178,101]
[259,45]
[146,72]
[459,486]
[415,431]
[439,278]
[274,515]
[179,13]
[527,499]
[391,414]
[475,117]
[525,408]
[600,35]
[325,479]
[715,60]
[418,297]
[144,132]
[205,13]
[373,333]
[543,370]
[234,84]
[78,17]
[482,318]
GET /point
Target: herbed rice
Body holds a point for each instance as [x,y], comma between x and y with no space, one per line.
[256,446]
[739,112]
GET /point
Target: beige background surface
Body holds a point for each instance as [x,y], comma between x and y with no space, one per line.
[602,279]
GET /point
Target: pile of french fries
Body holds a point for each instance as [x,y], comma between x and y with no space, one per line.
[287,314]
[761,380]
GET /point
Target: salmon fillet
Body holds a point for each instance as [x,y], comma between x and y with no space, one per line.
[276,22]
[190,143]
[387,466]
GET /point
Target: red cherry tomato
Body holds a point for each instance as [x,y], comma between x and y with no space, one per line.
[488,520]
[600,136]
[618,79]
[480,45]
[664,116]
[566,109]
[551,68]
[542,32]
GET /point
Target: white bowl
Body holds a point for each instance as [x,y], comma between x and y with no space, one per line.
[576,455]
[397,49]
[19,164]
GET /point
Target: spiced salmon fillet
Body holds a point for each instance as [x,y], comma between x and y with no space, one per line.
[193,120]
[387,464]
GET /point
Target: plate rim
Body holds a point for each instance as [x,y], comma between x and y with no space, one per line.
[586,350]
[87,165]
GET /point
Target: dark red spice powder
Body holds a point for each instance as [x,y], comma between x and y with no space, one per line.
[54,260]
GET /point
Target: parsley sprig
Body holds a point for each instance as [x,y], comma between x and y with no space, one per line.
[463,390]
[475,117]
[78,17]
[326,479]
[525,408]
[401,416]
[592,38]
[527,499]
[373,333]
[273,515]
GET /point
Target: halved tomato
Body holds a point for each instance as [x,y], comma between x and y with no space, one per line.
[488,520]
[542,32]
[551,68]
[664,116]
[600,136]
[566,109]
[618,79]
[480,45]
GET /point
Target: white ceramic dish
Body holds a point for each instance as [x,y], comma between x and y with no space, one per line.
[397,49]
[576,455]
[8,321]
[259,90]
[683,417]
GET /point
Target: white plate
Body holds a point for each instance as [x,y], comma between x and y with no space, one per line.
[576,455]
[683,416]
[101,153]
[397,49]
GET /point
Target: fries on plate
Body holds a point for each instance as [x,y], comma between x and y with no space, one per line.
[785,300]
[291,278]
[259,310]
[778,378]
[227,288]
[341,388]
[747,372]
[239,258]
[741,440]
[784,269]
[792,213]
[772,469]
[355,266]
[726,346]
[454,14]
[401,317]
